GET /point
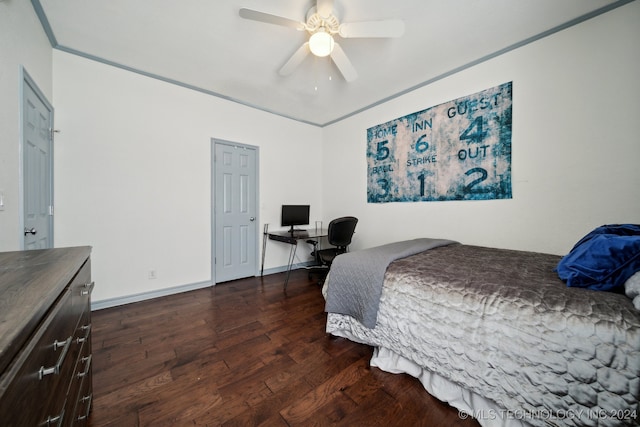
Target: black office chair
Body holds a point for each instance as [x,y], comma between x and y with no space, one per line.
[339,236]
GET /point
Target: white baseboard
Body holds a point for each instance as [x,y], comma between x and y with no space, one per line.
[128,299]
[283,268]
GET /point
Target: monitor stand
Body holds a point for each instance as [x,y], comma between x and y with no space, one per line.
[293,231]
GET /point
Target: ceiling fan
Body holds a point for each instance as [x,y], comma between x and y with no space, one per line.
[323,25]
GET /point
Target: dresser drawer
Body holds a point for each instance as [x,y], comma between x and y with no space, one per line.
[81,288]
[79,393]
[80,396]
[35,383]
[83,405]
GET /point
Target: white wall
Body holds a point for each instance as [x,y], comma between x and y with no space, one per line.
[133,173]
[23,43]
[576,152]
[132,164]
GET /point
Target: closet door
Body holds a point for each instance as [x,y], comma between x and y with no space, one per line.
[235,201]
[37,175]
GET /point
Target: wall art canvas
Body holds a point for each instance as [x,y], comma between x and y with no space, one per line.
[458,150]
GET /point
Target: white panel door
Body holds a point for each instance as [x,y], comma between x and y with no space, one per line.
[37,170]
[235,201]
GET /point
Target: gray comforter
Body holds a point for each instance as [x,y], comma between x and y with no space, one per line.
[501,324]
[356,277]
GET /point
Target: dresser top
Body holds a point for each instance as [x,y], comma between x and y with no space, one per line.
[30,282]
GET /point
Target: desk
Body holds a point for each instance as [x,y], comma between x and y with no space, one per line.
[285,236]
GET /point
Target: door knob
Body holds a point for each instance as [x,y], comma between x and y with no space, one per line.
[252,219]
[32,231]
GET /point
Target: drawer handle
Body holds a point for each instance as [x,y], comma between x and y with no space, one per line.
[86,360]
[55,419]
[88,287]
[56,369]
[86,412]
[87,328]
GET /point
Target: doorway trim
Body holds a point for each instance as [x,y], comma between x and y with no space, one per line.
[27,80]
[214,142]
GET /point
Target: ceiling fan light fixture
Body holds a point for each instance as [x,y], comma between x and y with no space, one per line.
[321,43]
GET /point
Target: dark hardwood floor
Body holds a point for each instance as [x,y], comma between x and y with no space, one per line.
[245,353]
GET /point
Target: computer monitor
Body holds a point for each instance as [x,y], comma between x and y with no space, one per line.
[294,215]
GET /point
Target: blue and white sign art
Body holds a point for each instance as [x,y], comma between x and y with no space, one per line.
[458,150]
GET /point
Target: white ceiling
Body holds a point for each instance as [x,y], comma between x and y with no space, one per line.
[207,46]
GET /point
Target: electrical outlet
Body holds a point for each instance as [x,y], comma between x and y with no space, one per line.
[152,274]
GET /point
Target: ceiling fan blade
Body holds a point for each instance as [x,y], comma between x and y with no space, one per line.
[386,28]
[270,19]
[324,8]
[342,62]
[295,60]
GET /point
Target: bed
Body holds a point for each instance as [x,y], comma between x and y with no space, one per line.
[494,332]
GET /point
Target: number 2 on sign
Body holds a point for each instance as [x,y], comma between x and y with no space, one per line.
[483,176]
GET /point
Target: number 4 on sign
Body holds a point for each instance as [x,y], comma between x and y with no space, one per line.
[474,132]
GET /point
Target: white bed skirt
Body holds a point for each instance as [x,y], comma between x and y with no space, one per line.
[469,404]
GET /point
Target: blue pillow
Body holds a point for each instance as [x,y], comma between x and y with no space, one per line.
[604,259]
[615,229]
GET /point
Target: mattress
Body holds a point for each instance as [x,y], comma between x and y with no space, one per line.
[500,324]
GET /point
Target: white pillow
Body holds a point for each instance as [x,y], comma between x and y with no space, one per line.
[632,289]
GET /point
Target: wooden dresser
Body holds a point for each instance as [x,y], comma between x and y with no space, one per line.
[45,337]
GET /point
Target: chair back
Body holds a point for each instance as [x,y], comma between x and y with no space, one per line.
[341,231]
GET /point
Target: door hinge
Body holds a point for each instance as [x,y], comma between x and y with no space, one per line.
[50,210]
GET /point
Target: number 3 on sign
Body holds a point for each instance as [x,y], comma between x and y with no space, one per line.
[384,187]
